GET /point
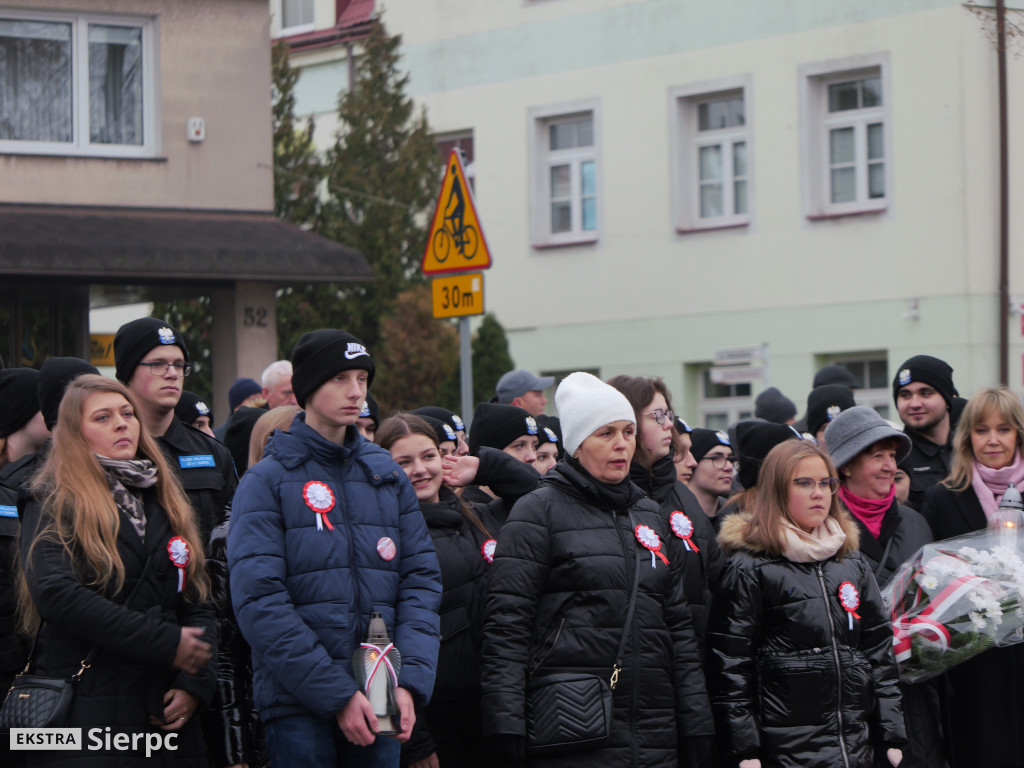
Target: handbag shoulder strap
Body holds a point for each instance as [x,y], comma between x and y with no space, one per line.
[617,667]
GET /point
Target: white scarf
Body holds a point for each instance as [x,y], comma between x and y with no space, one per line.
[820,544]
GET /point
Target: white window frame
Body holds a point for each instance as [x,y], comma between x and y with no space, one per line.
[541,159]
[80,145]
[879,397]
[733,408]
[277,11]
[816,122]
[685,142]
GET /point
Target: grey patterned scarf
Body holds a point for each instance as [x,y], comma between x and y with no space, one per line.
[135,474]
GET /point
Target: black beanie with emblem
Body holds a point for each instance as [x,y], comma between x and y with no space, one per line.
[54,376]
[190,407]
[928,370]
[496,425]
[19,398]
[319,355]
[754,440]
[703,440]
[826,402]
[371,410]
[133,341]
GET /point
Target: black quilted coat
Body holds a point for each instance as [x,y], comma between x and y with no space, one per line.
[790,683]
[559,591]
[135,644]
[450,724]
[703,565]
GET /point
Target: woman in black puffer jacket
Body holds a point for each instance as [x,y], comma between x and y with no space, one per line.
[653,470]
[559,595]
[800,660]
[447,730]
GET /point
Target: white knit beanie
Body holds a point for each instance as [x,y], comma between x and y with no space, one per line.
[584,403]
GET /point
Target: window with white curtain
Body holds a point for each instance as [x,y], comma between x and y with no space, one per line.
[710,154]
[564,149]
[76,84]
[720,142]
[296,15]
[846,127]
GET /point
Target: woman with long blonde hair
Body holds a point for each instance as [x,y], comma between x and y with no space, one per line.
[984,696]
[113,572]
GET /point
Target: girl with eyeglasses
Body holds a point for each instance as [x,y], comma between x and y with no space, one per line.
[800,664]
[866,450]
[653,469]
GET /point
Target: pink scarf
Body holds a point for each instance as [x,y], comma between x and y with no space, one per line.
[990,484]
[871,512]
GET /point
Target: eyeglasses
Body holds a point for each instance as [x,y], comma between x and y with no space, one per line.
[160,367]
[719,462]
[807,485]
[661,416]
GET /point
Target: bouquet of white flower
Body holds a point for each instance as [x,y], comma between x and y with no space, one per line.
[954,599]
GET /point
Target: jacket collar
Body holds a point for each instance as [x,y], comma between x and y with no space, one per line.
[302,442]
[570,477]
[659,481]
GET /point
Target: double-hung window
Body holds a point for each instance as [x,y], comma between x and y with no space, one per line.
[721,146]
[74,84]
[294,16]
[710,154]
[856,142]
[847,140]
[565,206]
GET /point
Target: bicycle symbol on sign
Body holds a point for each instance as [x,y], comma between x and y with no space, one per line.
[454,231]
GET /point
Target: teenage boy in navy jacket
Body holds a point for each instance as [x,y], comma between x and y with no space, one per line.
[325,530]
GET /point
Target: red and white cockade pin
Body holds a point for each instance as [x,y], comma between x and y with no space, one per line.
[650,539]
[320,498]
[849,598]
[181,556]
[487,550]
[386,548]
[682,527]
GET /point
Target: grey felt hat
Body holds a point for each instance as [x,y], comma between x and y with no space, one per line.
[858,428]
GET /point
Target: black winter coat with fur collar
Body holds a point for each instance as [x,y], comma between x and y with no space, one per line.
[795,679]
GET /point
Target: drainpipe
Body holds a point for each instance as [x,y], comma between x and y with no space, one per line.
[1004,194]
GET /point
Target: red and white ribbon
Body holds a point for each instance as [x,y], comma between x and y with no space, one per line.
[682,527]
[181,556]
[320,498]
[928,625]
[382,658]
[487,550]
[849,598]
[650,539]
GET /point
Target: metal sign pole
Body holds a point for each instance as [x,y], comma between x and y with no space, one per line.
[467,371]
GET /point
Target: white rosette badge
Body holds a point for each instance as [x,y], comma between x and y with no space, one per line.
[650,539]
[180,554]
[320,498]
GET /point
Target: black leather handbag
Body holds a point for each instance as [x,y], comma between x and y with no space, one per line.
[35,701]
[570,712]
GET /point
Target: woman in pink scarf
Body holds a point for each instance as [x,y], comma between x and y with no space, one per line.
[985,696]
[866,450]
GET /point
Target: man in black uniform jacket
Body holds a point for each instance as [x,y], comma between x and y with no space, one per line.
[152,360]
[924,394]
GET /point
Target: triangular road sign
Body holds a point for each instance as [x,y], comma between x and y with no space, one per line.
[456,240]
